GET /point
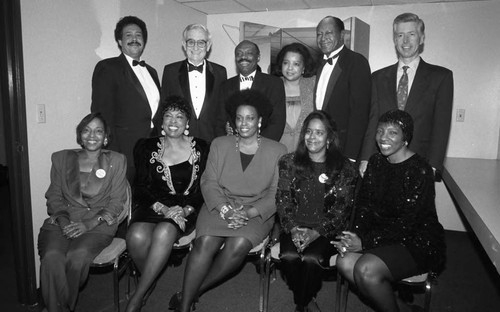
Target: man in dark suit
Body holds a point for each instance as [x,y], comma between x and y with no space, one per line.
[197,80]
[343,86]
[247,56]
[126,91]
[423,90]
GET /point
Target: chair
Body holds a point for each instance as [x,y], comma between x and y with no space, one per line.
[271,259]
[422,283]
[115,254]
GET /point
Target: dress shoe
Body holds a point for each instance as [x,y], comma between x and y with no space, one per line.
[176,300]
[313,306]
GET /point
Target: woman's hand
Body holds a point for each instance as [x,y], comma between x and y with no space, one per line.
[306,237]
[176,213]
[237,218]
[348,242]
[75,229]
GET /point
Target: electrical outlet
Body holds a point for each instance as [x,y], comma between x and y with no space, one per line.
[460,115]
[40,113]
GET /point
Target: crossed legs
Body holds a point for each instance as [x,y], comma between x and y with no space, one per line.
[208,265]
[149,246]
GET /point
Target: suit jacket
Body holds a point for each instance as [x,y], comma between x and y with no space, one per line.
[347,99]
[430,103]
[119,96]
[105,193]
[270,86]
[175,81]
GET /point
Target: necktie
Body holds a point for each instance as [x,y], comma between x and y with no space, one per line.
[141,63]
[199,68]
[403,89]
[249,78]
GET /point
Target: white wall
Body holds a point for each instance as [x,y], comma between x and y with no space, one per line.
[461,36]
[62,42]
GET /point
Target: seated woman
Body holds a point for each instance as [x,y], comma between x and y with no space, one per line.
[314,200]
[239,187]
[87,194]
[296,69]
[397,233]
[167,194]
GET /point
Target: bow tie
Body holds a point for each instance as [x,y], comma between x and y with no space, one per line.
[249,78]
[141,63]
[330,59]
[199,68]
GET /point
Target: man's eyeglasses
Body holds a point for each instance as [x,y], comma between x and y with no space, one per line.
[200,43]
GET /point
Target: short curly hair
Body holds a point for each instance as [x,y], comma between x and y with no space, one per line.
[251,98]
[85,121]
[401,119]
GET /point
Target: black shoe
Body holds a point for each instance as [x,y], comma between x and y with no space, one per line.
[175,301]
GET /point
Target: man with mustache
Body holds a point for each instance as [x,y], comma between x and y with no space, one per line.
[247,55]
[343,86]
[126,91]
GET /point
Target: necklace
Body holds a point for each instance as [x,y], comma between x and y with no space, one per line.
[238,142]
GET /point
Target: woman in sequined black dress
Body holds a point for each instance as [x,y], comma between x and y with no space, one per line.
[167,194]
[397,233]
[314,200]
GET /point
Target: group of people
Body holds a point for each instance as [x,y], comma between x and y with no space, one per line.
[234,158]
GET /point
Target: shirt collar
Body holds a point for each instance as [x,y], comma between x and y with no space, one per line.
[251,75]
[333,53]
[413,64]
[129,59]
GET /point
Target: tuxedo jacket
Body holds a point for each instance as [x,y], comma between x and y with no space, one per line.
[430,104]
[175,81]
[105,192]
[270,86]
[347,99]
[119,96]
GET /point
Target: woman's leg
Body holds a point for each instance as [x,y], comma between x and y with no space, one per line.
[345,265]
[198,264]
[290,266]
[52,247]
[139,237]
[161,241]
[80,255]
[227,261]
[374,281]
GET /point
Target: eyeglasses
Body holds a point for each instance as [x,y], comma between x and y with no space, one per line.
[200,43]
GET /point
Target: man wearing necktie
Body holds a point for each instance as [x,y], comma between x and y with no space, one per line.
[423,90]
[343,86]
[197,80]
[247,56]
[126,90]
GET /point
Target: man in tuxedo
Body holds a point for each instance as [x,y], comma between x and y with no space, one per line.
[126,91]
[247,56]
[423,90]
[197,80]
[343,86]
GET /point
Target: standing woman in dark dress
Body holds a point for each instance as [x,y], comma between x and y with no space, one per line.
[239,187]
[167,193]
[314,200]
[397,233]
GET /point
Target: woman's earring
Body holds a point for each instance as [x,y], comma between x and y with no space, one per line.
[186,131]
[105,141]
[163,132]
[327,144]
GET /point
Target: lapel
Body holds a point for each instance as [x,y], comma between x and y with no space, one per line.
[337,70]
[72,171]
[418,87]
[130,75]
[184,83]
[257,83]
[209,87]
[390,85]
[95,183]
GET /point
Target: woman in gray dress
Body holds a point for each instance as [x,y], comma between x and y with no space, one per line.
[239,188]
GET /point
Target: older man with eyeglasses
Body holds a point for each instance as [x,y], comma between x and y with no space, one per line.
[197,80]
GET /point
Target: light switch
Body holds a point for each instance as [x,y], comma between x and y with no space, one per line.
[40,113]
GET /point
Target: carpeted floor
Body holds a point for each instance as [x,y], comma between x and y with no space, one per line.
[470,283]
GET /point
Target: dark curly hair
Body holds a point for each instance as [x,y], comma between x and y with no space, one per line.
[251,98]
[401,119]
[85,121]
[129,20]
[334,157]
[309,66]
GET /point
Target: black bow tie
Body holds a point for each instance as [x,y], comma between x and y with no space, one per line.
[249,78]
[199,68]
[141,63]
[330,59]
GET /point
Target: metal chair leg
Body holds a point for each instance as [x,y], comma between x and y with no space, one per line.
[116,284]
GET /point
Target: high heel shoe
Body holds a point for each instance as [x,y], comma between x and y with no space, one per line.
[176,300]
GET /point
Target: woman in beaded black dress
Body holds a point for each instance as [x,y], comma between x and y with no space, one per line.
[397,233]
[314,200]
[166,192]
